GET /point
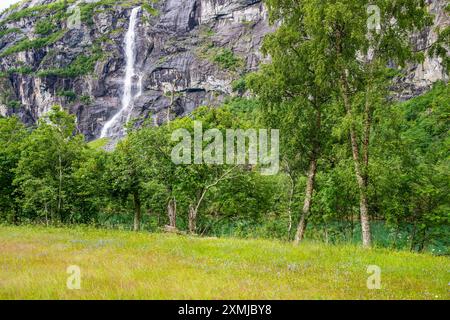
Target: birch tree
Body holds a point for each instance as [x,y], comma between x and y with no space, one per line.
[347,44]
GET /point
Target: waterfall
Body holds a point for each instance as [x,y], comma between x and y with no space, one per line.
[114,127]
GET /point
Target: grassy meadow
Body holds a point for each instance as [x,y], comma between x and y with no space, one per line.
[126,265]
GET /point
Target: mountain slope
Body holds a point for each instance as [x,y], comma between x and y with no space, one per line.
[187,54]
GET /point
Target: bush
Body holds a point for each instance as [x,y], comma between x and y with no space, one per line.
[36,10]
[152,11]
[5,32]
[82,65]
[68,94]
[44,28]
[27,44]
[13,104]
[19,70]
[239,86]
[227,60]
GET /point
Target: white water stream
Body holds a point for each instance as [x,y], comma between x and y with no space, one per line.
[114,127]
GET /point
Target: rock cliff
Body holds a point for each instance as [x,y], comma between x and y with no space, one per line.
[187,53]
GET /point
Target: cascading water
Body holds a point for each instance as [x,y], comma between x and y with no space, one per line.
[114,127]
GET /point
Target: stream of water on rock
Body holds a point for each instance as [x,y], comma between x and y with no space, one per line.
[114,127]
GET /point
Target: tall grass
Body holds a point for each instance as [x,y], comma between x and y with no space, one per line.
[126,265]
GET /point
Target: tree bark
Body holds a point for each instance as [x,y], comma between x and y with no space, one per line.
[193,209]
[360,176]
[414,229]
[308,201]
[137,211]
[366,140]
[363,203]
[291,200]
[15,215]
[192,219]
[172,213]
[60,188]
[311,181]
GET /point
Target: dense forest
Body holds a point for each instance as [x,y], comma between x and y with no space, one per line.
[51,176]
[356,164]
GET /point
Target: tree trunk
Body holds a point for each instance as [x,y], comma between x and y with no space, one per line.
[308,201]
[46,214]
[291,200]
[60,188]
[15,215]
[360,177]
[137,211]
[172,213]
[423,240]
[366,140]
[193,209]
[192,219]
[311,180]
[414,230]
[363,203]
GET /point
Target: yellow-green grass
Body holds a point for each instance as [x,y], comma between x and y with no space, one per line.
[126,265]
[98,143]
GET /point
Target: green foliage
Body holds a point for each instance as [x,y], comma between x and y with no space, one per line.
[12,135]
[43,176]
[7,94]
[86,99]
[319,88]
[4,31]
[101,187]
[38,10]
[89,9]
[239,86]
[98,143]
[19,70]
[11,8]
[13,104]
[44,27]
[82,65]
[206,32]
[327,79]
[417,134]
[23,70]
[226,59]
[68,94]
[38,43]
[152,11]
[441,47]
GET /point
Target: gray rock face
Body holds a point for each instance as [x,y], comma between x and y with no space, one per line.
[175,60]
[178,46]
[419,78]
